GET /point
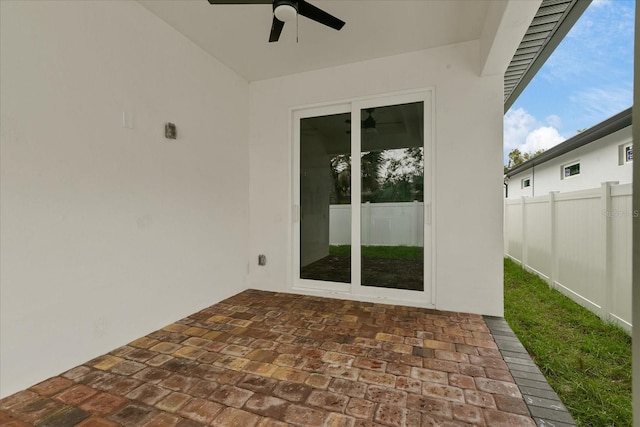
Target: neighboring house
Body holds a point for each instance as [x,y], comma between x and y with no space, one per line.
[110,231]
[601,153]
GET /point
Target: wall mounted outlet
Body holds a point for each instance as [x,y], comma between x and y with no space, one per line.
[262,260]
[170,131]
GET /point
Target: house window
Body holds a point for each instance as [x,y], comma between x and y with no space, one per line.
[570,170]
[628,153]
[625,153]
[526,182]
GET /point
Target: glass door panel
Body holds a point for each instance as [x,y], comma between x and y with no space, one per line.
[325,198]
[392,196]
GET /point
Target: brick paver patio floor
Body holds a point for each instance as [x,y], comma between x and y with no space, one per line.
[266,359]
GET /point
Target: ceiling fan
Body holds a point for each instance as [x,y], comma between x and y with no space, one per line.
[287,10]
[370,124]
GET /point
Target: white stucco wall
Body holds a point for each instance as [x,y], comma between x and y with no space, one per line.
[599,162]
[468,207]
[110,233]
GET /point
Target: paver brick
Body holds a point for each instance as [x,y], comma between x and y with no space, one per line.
[469,414]
[127,367]
[261,359]
[292,391]
[173,402]
[462,381]
[103,404]
[163,419]
[480,398]
[318,381]
[200,410]
[347,387]
[496,418]
[386,395]
[97,422]
[434,407]
[152,375]
[52,386]
[499,374]
[105,362]
[409,384]
[133,414]
[371,364]
[396,416]
[333,402]
[440,391]
[302,415]
[360,408]
[377,378]
[232,417]
[498,387]
[268,406]
[148,393]
[339,420]
[430,375]
[75,395]
[441,365]
[229,395]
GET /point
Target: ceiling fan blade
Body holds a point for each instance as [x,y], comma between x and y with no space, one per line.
[276,29]
[310,11]
[240,1]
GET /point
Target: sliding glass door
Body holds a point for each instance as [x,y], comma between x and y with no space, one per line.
[392,196]
[362,197]
[325,186]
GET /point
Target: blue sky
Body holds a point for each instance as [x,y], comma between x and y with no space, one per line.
[587,79]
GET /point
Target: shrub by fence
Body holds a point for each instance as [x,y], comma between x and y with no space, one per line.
[580,242]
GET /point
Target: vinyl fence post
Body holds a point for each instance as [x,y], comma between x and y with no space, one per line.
[414,224]
[607,215]
[366,224]
[553,237]
[524,232]
[505,227]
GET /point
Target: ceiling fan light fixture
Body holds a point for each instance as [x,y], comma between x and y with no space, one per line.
[285,12]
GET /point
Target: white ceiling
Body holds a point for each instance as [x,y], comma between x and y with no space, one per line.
[238,35]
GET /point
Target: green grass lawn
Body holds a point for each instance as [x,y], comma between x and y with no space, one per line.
[585,360]
[396,252]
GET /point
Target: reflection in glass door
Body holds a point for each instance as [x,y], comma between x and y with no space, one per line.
[325,198]
[362,207]
[392,196]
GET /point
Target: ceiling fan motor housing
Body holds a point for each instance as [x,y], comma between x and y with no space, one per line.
[285,10]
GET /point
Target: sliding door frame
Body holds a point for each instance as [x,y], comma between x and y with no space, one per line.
[355,289]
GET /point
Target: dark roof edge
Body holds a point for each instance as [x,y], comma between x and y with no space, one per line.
[607,127]
[576,11]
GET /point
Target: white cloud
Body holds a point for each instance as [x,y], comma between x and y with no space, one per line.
[542,138]
[554,121]
[517,125]
[524,132]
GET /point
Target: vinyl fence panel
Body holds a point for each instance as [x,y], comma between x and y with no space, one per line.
[580,242]
[383,224]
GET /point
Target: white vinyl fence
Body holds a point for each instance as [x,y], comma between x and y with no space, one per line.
[580,242]
[383,224]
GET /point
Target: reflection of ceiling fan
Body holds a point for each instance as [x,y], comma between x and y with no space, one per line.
[370,125]
[287,10]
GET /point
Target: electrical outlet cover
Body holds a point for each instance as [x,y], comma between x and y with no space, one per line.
[170,131]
